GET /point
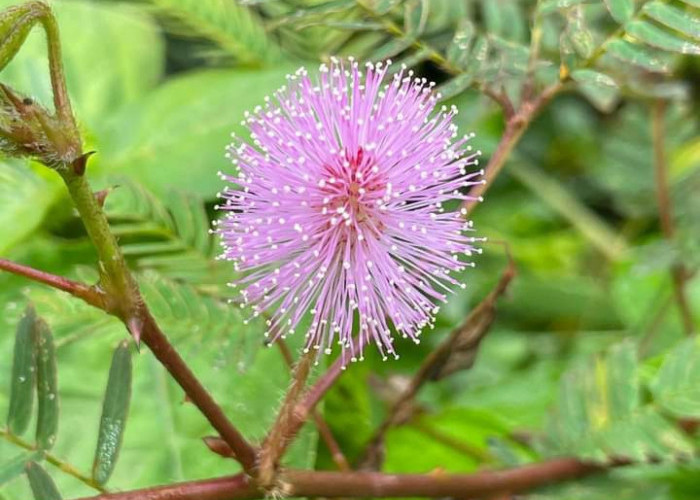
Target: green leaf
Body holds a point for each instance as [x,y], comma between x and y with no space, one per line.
[656,37]
[674,18]
[635,55]
[455,86]
[599,88]
[600,414]
[677,385]
[42,485]
[113,54]
[114,413]
[170,236]
[23,373]
[620,10]
[25,198]
[15,24]
[47,388]
[505,19]
[14,467]
[232,26]
[692,3]
[459,49]
[187,134]
[415,17]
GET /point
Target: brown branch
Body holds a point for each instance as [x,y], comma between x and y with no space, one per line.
[374,484]
[457,352]
[323,429]
[516,124]
[161,348]
[89,294]
[678,271]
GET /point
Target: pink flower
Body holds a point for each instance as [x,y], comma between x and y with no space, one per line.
[341,210]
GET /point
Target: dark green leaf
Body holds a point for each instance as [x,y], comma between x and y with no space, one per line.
[677,19]
[23,373]
[231,25]
[633,54]
[620,10]
[656,37]
[42,485]
[15,466]
[692,3]
[47,388]
[114,414]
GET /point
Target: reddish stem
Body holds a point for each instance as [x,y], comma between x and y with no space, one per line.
[374,484]
[89,294]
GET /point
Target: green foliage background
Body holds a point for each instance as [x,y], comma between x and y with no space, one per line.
[587,356]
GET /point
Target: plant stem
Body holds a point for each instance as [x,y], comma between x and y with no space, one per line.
[323,429]
[115,278]
[124,301]
[89,294]
[678,271]
[374,484]
[516,125]
[281,432]
[58,80]
[53,460]
[158,343]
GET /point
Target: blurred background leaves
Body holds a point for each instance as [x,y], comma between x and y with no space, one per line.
[588,340]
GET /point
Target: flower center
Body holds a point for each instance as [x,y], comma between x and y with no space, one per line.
[353,189]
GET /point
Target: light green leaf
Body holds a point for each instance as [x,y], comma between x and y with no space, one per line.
[14,467]
[47,388]
[600,414]
[599,88]
[459,49]
[677,385]
[114,414]
[25,198]
[455,86]
[23,373]
[656,37]
[633,54]
[15,25]
[43,487]
[186,134]
[674,18]
[415,17]
[113,54]
[621,10]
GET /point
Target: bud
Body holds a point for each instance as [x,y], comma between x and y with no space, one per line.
[29,129]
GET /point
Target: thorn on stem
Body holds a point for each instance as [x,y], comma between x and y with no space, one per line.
[81,162]
[219,446]
[135,327]
[101,195]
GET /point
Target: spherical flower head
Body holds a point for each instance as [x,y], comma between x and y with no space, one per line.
[339,210]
